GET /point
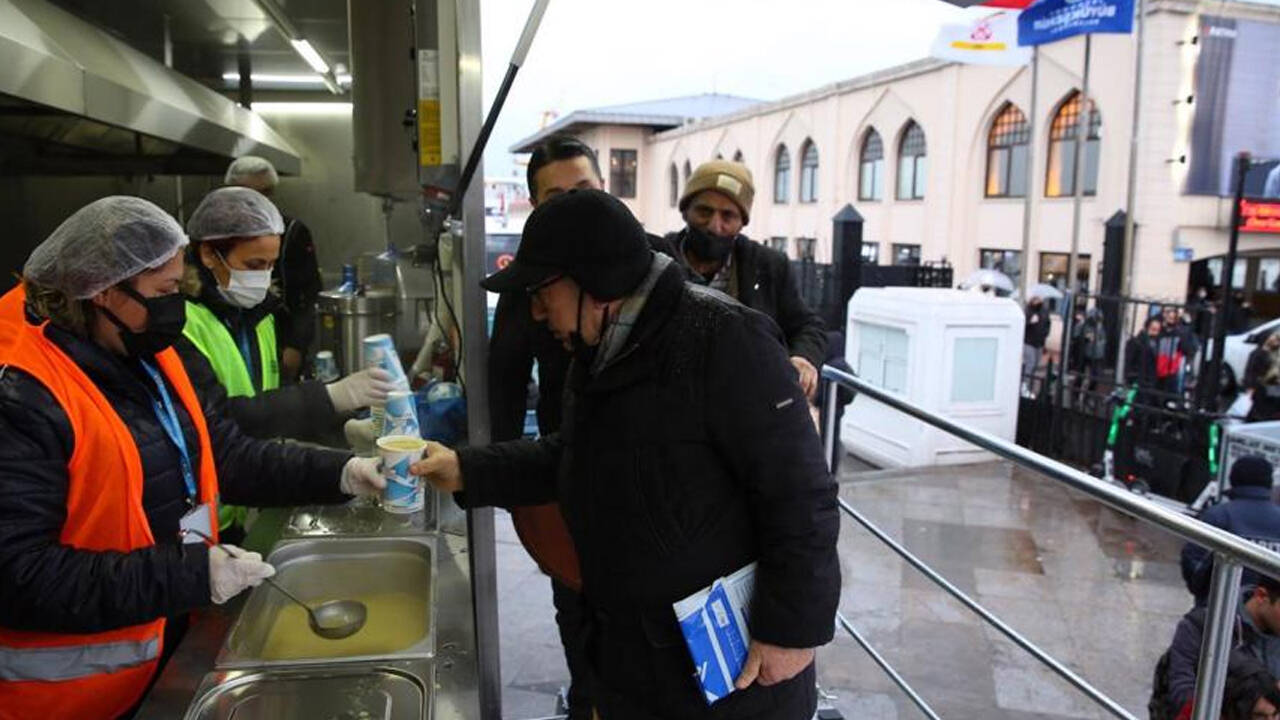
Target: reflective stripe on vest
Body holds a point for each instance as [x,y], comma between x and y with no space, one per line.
[213,339]
[100,674]
[74,661]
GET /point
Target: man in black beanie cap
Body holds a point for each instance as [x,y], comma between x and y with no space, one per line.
[1250,513]
[686,452]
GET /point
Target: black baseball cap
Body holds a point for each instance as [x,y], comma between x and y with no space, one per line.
[587,235]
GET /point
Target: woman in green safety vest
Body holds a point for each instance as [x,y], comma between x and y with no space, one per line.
[230,334]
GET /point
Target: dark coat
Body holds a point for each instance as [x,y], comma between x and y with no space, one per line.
[1184,652]
[1037,326]
[1250,514]
[47,586]
[689,457]
[1256,368]
[1140,361]
[297,275]
[766,283]
[302,411]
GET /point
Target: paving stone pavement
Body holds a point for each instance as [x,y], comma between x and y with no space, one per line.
[1096,590]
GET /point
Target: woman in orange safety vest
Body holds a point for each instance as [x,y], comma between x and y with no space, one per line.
[107,453]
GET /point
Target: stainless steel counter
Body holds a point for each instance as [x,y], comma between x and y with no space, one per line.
[455,668]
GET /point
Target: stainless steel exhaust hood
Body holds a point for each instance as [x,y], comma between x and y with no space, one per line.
[77,101]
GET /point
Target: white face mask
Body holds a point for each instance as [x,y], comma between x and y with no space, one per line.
[246,288]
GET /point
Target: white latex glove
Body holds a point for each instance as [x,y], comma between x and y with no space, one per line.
[360,435]
[232,574]
[360,389]
[362,476]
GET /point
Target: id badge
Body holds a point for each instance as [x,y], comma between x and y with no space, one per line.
[196,520]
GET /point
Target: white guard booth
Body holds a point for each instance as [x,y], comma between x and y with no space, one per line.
[952,352]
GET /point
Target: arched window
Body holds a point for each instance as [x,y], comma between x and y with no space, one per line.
[781,175]
[1007,148]
[871,167]
[688,170]
[674,178]
[737,156]
[809,172]
[1061,180]
[912,164]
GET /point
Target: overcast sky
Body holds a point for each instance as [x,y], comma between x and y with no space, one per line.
[590,53]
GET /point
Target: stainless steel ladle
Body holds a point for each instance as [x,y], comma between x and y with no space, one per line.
[334,619]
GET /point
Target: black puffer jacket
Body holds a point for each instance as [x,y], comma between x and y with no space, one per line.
[301,411]
[690,456]
[297,274]
[47,586]
[765,283]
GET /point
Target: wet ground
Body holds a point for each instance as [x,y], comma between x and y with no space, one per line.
[1092,588]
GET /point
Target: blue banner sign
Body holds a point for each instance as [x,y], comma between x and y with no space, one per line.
[1051,20]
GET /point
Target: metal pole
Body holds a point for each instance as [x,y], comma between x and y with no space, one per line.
[1083,121]
[1120,499]
[888,669]
[1025,258]
[1127,261]
[1215,648]
[829,424]
[1062,670]
[1210,385]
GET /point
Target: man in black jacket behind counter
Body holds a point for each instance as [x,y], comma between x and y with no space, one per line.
[686,452]
[716,205]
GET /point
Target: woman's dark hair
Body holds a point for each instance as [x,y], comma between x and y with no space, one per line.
[1247,680]
[554,148]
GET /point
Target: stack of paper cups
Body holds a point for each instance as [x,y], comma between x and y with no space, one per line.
[380,352]
[401,416]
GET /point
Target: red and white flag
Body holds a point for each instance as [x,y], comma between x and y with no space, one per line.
[990,40]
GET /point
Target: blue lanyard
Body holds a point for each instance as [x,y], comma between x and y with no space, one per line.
[169,421]
[246,353]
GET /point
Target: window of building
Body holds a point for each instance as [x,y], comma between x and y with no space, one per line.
[871,253]
[806,248]
[781,175]
[1053,270]
[809,172]
[1007,148]
[882,356]
[904,254]
[1061,180]
[778,243]
[622,173]
[871,167]
[737,156]
[674,181]
[688,170]
[912,163]
[1008,262]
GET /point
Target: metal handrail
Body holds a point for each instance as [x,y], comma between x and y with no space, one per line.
[1215,539]
[1230,551]
[887,668]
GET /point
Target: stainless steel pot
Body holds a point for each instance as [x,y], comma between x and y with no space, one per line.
[345,320]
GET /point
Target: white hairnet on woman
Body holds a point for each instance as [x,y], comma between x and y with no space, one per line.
[252,171]
[234,212]
[103,243]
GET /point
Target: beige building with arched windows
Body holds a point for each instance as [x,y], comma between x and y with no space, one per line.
[934,156]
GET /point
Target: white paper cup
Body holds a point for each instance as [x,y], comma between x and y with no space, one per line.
[404,492]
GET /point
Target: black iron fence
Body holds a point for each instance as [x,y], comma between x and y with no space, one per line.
[820,283]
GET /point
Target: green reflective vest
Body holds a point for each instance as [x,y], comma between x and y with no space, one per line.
[213,339]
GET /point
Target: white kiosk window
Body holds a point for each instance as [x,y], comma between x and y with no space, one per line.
[882,356]
[973,365]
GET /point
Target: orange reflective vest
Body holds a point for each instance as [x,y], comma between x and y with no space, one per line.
[103,674]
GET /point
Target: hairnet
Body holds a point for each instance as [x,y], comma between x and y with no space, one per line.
[251,166]
[234,212]
[103,243]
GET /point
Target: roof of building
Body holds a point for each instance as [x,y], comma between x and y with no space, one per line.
[659,114]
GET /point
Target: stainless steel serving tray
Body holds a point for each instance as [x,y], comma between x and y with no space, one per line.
[348,691]
[325,569]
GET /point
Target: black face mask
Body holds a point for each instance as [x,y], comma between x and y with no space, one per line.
[708,247]
[166,316]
